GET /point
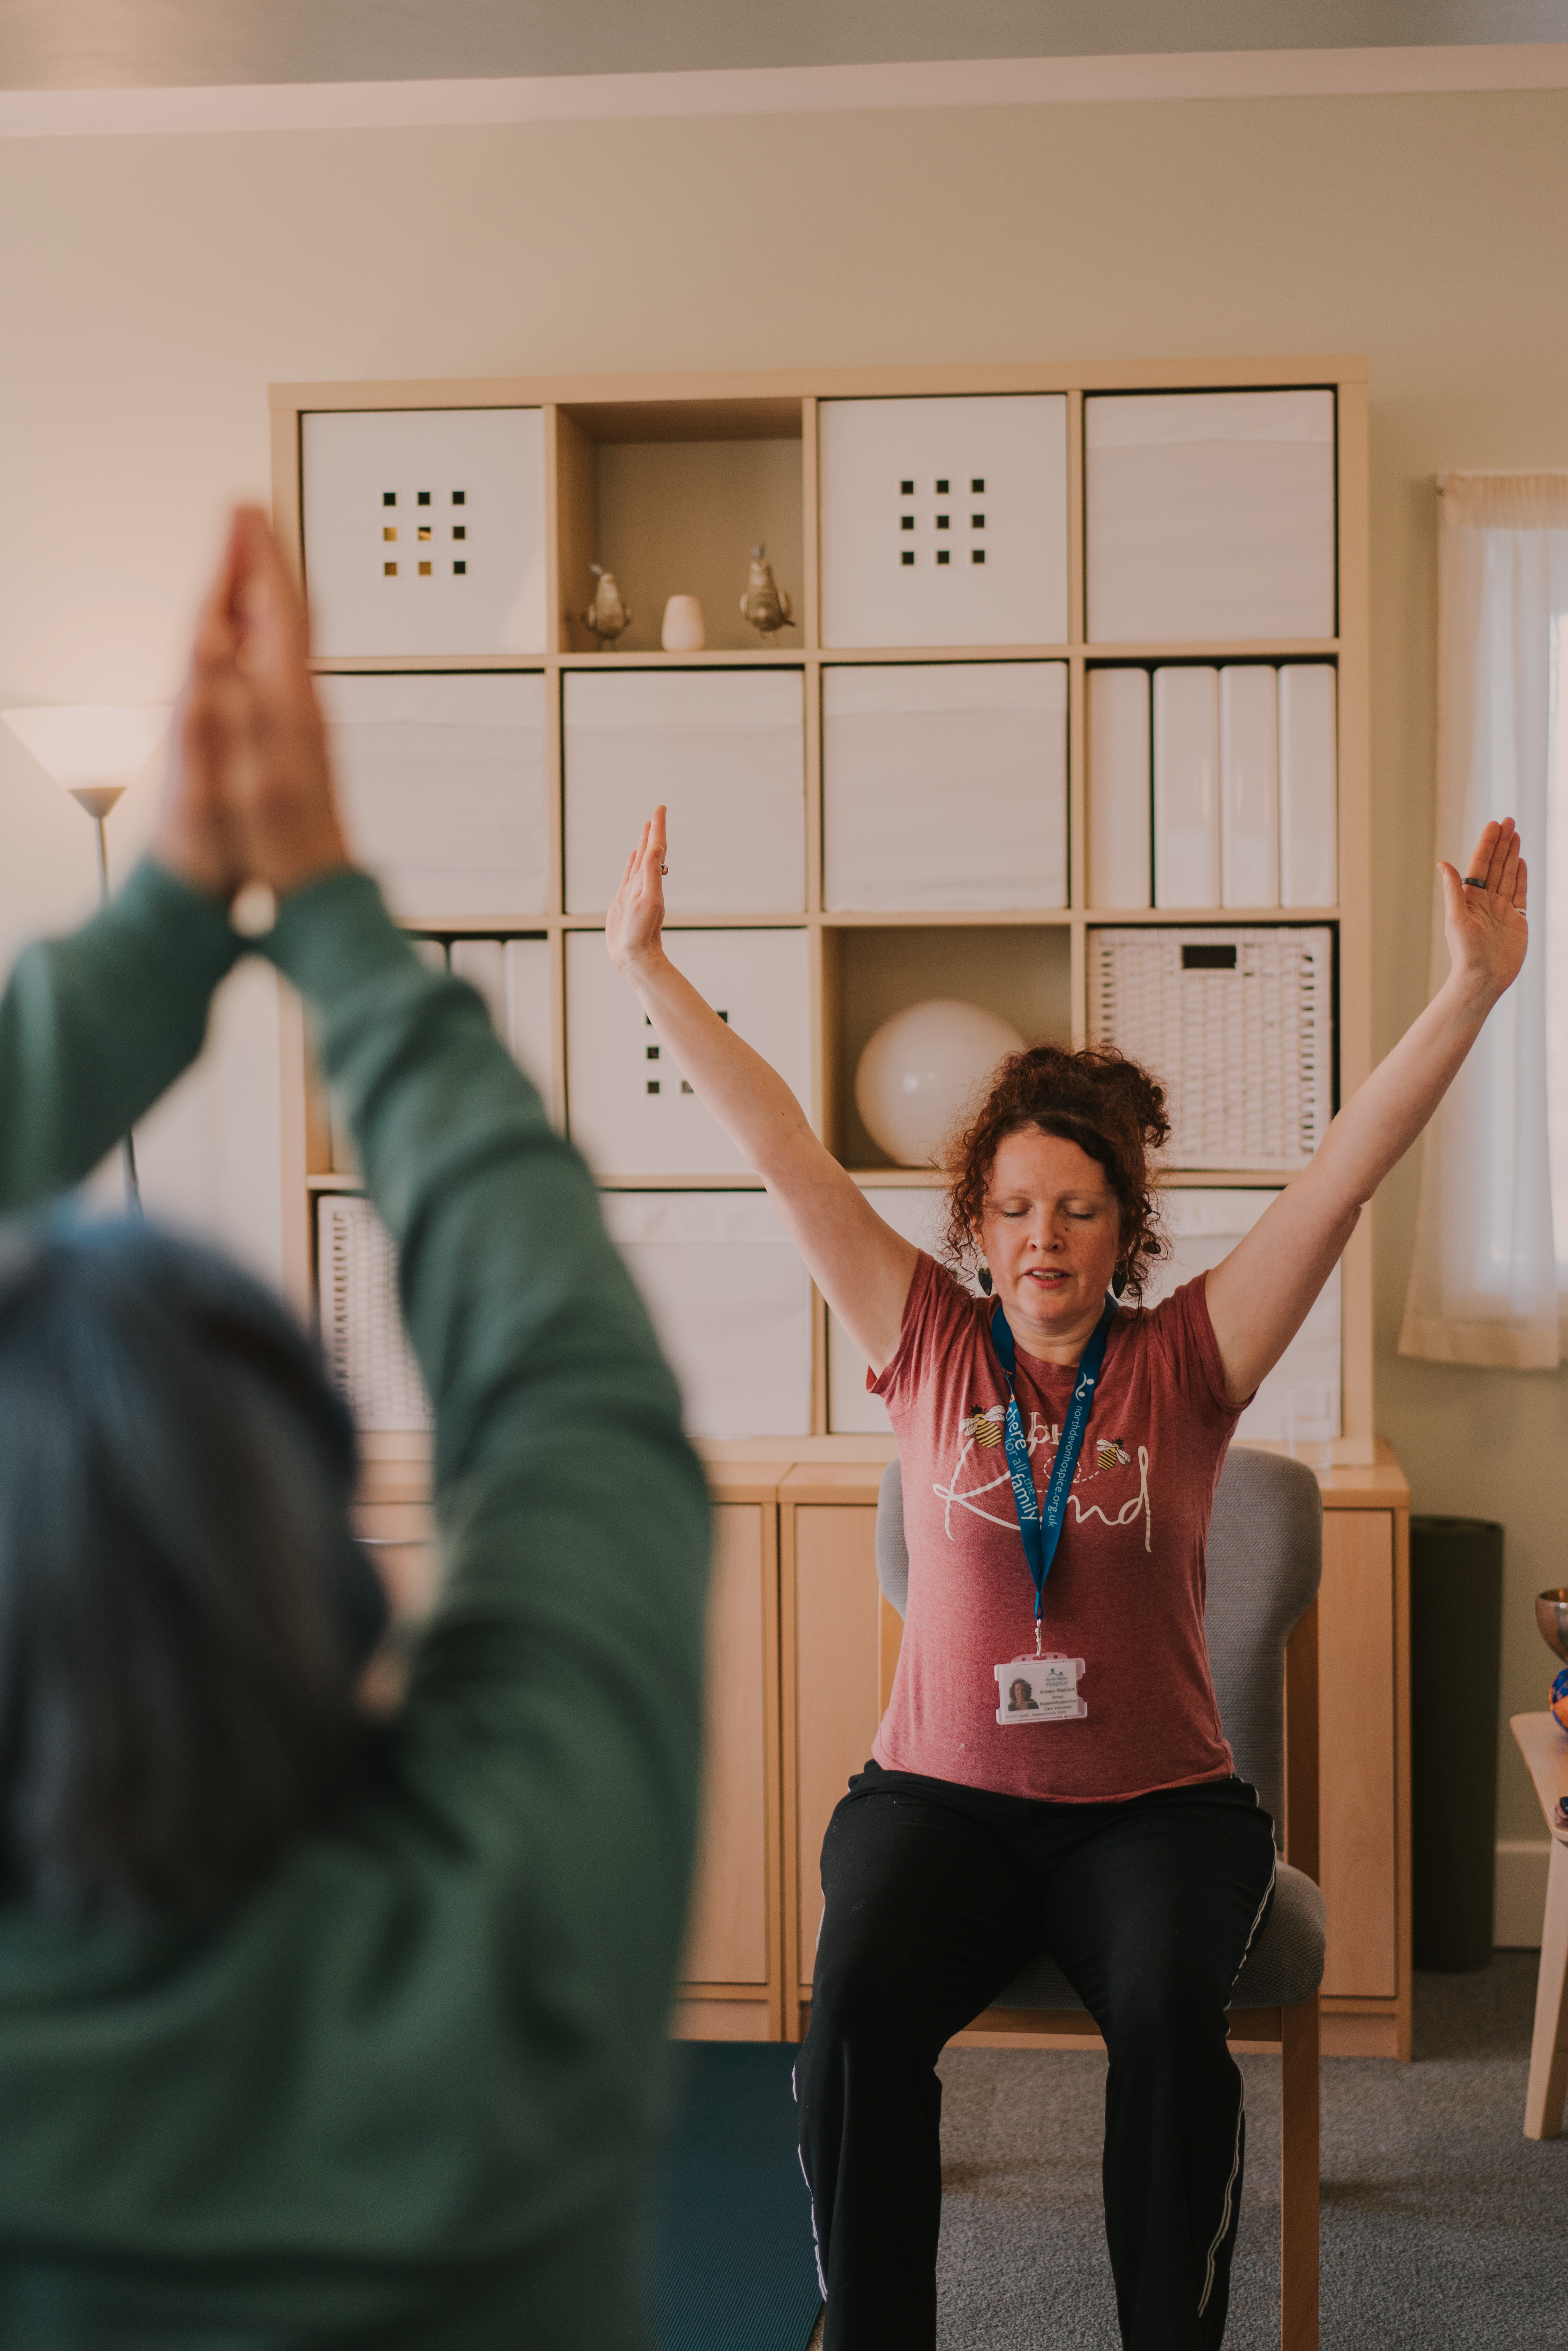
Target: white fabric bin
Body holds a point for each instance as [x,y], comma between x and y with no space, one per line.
[944,786]
[1204,1227]
[1186,788]
[1209,514]
[425,531]
[725,749]
[1249,785]
[1309,785]
[730,1300]
[442,781]
[1236,1024]
[920,1214]
[1120,788]
[362,1337]
[630,1110]
[898,493]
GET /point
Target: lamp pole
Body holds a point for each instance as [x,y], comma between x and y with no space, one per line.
[98,800]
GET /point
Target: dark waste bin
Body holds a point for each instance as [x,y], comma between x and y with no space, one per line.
[1456,1661]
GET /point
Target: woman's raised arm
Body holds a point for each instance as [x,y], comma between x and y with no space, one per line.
[862,1266]
[1259,1298]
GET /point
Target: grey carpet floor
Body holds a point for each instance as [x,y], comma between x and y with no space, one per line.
[1444,2229]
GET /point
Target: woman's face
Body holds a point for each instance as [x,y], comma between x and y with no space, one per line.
[1049,1232]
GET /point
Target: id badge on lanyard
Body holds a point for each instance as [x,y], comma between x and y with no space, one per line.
[1044,1688]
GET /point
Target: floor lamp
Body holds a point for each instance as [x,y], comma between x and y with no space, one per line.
[93,750]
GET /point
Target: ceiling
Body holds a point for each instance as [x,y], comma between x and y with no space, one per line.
[171,44]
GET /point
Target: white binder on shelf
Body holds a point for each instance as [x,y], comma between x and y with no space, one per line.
[945,785]
[1186,787]
[362,1336]
[629,1108]
[1236,1024]
[425,531]
[1203,1227]
[725,749]
[1209,516]
[1249,785]
[1120,800]
[442,781]
[730,1300]
[1309,785]
[920,1213]
[944,521]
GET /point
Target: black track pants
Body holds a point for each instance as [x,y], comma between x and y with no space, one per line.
[936,1895]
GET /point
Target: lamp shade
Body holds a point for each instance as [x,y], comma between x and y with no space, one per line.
[91,743]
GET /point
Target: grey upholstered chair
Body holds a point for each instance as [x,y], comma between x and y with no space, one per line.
[1265,1559]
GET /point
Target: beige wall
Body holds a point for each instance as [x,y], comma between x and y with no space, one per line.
[150,287]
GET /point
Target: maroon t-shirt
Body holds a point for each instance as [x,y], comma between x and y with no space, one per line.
[1125,1592]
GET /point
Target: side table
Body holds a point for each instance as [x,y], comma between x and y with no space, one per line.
[1545,1749]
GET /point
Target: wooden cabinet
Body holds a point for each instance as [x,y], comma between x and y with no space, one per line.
[802,1651]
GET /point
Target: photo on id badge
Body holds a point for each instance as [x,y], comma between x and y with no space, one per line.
[1039,1689]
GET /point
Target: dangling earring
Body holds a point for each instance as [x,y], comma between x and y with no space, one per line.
[1119,1282]
[984,1277]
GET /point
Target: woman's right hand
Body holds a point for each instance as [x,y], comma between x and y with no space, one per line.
[634,925]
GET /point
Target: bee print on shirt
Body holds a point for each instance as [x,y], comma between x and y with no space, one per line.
[981,1483]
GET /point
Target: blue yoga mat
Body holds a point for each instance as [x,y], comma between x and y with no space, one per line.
[734,2268]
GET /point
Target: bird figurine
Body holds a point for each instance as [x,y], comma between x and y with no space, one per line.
[766,606]
[607,615]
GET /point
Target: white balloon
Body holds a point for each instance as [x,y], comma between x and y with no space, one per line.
[922,1069]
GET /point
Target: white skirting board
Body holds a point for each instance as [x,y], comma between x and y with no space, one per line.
[730,1300]
[944,786]
[1209,516]
[443,792]
[1519,1904]
[1121,851]
[723,749]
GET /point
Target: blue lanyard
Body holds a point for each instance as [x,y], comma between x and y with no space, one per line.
[1042,1529]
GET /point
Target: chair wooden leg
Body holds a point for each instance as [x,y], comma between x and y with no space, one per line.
[1299,2089]
[1549,2049]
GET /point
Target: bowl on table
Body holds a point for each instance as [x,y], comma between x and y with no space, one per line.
[1552,1615]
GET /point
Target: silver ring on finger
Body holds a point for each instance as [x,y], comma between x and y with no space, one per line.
[1473,882]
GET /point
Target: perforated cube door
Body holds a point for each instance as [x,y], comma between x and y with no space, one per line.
[1209,516]
[730,1300]
[725,750]
[944,521]
[1204,1227]
[945,785]
[629,1108]
[425,531]
[442,787]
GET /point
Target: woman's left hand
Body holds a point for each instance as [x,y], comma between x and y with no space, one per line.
[1485,927]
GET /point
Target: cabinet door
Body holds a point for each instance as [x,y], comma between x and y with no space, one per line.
[731,1930]
[836,1683]
[1359,1868]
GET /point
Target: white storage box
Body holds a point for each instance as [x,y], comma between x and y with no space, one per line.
[944,522]
[1186,788]
[1309,785]
[1205,1226]
[362,1337]
[725,749]
[944,786]
[1121,787]
[920,1214]
[425,531]
[443,790]
[1209,514]
[730,1300]
[1238,1025]
[513,977]
[1250,787]
[630,1110]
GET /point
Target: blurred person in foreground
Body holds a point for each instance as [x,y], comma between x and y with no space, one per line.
[314,2029]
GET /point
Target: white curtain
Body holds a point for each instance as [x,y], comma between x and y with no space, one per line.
[1484,1280]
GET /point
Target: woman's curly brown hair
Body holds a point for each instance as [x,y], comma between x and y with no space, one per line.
[1098,1099]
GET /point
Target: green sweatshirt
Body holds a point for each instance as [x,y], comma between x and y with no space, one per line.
[405,2096]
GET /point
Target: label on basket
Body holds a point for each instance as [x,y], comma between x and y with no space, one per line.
[1039,1689]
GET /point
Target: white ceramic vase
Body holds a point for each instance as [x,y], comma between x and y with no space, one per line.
[684,632]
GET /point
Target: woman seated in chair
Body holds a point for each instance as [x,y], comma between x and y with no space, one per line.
[1106,1823]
